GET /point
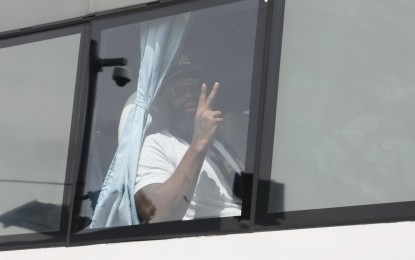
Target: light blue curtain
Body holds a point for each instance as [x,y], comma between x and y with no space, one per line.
[160,42]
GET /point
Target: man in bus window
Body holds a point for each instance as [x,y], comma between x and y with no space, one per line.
[186,171]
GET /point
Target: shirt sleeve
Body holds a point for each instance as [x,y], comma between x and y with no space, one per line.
[155,164]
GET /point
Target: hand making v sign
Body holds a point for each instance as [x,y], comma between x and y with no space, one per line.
[206,119]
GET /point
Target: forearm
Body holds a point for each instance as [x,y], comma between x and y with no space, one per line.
[170,200]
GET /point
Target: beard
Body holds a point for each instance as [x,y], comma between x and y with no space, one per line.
[182,125]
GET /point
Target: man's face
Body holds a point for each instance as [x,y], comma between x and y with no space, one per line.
[183,95]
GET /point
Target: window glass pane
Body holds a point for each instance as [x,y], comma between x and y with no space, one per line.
[36,97]
[344,132]
[216,45]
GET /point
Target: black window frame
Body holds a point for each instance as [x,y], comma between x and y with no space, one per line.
[255,215]
[179,228]
[325,217]
[55,238]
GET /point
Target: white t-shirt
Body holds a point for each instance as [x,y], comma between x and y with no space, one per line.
[162,153]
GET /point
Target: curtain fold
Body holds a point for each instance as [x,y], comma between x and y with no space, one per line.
[160,43]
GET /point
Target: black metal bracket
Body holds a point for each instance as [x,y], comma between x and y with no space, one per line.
[121,75]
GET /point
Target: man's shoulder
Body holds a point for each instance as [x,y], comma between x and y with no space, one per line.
[163,138]
[164,134]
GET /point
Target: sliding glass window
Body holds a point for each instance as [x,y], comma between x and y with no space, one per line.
[344,128]
[38,77]
[171,139]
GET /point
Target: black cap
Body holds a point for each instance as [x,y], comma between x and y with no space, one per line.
[181,70]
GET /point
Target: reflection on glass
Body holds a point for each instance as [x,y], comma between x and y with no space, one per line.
[344,127]
[36,97]
[192,156]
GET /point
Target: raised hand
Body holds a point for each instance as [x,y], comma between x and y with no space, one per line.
[206,120]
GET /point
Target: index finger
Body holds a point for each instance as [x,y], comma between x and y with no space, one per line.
[212,95]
